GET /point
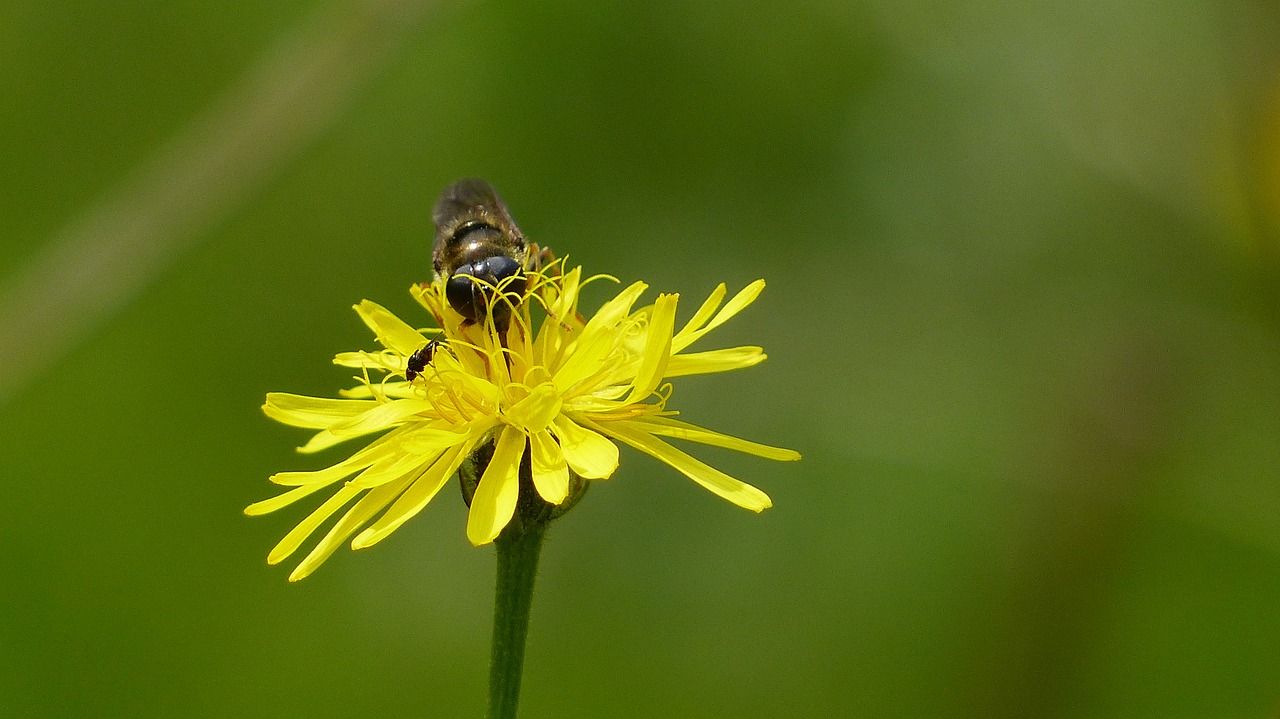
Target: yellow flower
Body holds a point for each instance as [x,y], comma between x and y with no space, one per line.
[563,394]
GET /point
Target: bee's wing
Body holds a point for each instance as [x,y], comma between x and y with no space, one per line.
[468,205]
[471,199]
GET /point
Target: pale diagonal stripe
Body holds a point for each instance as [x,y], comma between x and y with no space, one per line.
[103,258]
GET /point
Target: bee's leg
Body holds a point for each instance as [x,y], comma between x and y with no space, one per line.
[540,257]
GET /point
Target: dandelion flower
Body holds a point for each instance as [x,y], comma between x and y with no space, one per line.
[552,385]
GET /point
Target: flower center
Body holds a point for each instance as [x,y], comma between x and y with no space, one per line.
[531,410]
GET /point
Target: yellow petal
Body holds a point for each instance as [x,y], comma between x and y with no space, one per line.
[368,506]
[704,312]
[429,440]
[416,497]
[429,297]
[299,534]
[657,348]
[550,470]
[396,389]
[391,331]
[589,454]
[311,412]
[267,506]
[321,477]
[321,441]
[590,356]
[495,498]
[615,309]
[386,360]
[593,353]
[564,323]
[739,302]
[719,483]
[667,427]
[467,374]
[566,303]
[535,412]
[391,467]
[381,416]
[714,361]
[361,459]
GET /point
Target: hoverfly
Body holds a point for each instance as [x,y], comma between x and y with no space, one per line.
[476,239]
[478,248]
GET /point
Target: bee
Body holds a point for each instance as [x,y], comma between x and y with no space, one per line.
[477,247]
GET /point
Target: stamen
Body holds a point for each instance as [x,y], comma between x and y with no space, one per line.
[443,385]
[601,276]
[663,393]
[382,385]
[379,395]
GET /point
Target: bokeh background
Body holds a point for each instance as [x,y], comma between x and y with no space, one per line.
[1023,320]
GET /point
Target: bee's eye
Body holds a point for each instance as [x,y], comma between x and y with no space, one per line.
[469,290]
[496,269]
[462,292]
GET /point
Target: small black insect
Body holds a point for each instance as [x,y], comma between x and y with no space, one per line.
[419,360]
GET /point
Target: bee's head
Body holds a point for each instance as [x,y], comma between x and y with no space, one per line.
[471,289]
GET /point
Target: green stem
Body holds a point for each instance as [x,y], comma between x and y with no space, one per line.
[518,548]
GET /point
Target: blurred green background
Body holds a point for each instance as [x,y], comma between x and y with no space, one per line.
[1023,320]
